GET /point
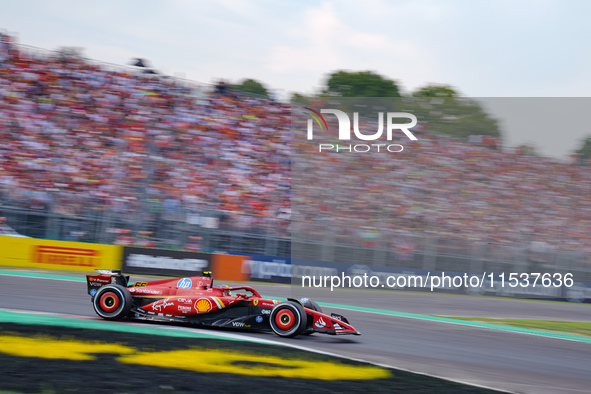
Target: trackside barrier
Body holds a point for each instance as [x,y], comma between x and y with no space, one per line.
[475,283]
[267,268]
[79,256]
[151,261]
[58,255]
[228,267]
[294,270]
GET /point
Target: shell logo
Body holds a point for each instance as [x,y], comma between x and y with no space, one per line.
[203,305]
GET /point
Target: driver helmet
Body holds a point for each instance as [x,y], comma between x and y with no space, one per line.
[226,292]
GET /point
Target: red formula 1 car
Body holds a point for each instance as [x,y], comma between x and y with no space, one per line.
[193,300]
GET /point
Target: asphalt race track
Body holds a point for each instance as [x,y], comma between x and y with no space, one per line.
[493,358]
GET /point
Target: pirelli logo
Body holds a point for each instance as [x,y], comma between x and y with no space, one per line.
[65,256]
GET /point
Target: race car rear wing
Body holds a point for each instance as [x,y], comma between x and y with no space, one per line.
[105,277]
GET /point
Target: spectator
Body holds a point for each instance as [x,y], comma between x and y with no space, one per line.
[80,139]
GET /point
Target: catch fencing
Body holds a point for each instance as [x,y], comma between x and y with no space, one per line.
[217,231]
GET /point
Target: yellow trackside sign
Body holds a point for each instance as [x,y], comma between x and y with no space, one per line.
[58,255]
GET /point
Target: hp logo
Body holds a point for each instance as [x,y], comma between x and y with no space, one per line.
[184,283]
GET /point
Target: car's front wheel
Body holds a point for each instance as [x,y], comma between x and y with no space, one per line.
[288,319]
[112,302]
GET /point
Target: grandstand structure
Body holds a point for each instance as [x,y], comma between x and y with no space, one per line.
[94,152]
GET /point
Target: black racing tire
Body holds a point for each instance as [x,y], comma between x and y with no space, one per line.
[112,302]
[288,319]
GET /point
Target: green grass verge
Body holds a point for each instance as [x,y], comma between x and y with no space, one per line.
[569,327]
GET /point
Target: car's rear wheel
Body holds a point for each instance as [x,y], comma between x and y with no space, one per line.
[112,302]
[288,319]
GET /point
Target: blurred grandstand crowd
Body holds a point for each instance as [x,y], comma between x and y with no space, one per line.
[451,189]
[79,139]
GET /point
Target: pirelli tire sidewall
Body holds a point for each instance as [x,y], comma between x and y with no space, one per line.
[290,310]
[112,302]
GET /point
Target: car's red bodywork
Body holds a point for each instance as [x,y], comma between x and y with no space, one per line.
[193,300]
